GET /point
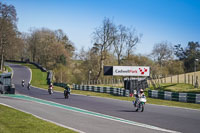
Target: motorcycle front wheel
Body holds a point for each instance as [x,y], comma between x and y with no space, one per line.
[140,107]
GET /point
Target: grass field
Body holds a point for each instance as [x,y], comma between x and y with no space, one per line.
[187,78]
[7,68]
[14,121]
[39,80]
[181,87]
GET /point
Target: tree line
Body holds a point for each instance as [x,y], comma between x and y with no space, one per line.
[112,45]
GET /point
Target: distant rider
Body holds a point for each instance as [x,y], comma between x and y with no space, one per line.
[68,89]
[23,82]
[50,90]
[51,86]
[29,85]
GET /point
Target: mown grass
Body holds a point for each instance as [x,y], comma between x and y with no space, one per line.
[186,88]
[14,121]
[7,68]
[38,75]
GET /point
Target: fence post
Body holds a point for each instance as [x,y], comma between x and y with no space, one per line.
[178,78]
[196,83]
[184,78]
[171,79]
[192,80]
[188,79]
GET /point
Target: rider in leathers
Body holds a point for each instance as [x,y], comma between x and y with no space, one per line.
[68,89]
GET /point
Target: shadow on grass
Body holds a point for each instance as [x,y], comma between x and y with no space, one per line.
[165,86]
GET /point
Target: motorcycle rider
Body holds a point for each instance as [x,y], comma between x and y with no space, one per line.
[51,87]
[138,95]
[68,89]
[23,82]
[29,85]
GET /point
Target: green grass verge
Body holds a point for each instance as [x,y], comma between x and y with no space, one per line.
[186,88]
[8,68]
[39,80]
[14,121]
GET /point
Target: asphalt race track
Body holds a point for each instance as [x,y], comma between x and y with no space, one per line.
[112,113]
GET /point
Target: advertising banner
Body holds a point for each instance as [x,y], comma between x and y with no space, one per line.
[131,71]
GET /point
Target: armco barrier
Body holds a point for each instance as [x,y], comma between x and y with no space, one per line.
[60,84]
[110,90]
[174,96]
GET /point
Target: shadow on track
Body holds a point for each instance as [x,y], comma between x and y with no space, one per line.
[126,111]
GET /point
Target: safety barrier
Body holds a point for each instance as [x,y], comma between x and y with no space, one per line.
[109,90]
[60,84]
[174,96]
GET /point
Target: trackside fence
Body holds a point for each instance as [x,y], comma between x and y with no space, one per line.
[109,90]
[174,96]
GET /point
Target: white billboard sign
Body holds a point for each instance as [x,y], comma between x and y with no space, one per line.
[131,70]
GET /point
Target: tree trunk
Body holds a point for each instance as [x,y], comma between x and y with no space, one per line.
[2,54]
[118,58]
[2,61]
[101,68]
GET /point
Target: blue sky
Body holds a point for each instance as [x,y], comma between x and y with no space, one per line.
[175,21]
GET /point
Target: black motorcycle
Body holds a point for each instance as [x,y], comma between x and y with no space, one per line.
[66,94]
[23,84]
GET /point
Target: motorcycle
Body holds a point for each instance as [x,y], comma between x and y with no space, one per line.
[50,90]
[23,85]
[66,94]
[140,104]
[28,87]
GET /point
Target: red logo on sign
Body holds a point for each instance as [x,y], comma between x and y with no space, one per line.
[142,72]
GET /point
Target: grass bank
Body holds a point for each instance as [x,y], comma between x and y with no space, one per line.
[8,69]
[14,121]
[39,80]
[181,87]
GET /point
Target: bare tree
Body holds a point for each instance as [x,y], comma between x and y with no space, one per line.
[7,28]
[104,38]
[120,42]
[131,40]
[162,52]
